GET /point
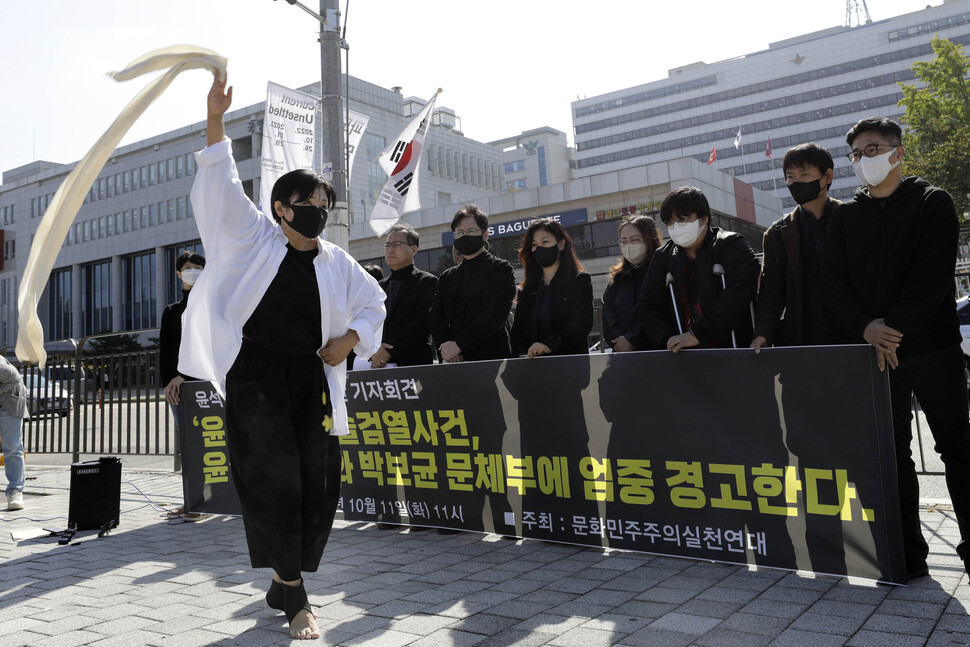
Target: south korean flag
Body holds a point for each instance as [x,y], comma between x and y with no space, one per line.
[400,160]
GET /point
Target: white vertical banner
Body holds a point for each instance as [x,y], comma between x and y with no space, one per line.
[356,124]
[288,136]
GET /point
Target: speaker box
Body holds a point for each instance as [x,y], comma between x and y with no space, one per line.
[95,494]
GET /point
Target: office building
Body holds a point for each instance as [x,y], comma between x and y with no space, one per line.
[808,88]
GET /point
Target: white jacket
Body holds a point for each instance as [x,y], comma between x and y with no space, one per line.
[244,249]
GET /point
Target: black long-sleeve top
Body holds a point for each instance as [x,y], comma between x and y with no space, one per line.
[471,307]
[570,314]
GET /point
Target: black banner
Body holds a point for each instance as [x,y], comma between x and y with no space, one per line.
[206,478]
[783,459]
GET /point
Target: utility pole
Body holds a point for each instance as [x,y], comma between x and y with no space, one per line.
[332,148]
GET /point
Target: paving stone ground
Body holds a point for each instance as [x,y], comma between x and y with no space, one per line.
[157,583]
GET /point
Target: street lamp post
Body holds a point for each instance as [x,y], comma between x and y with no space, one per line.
[332,147]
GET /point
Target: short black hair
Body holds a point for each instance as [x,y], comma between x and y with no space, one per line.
[413,238]
[682,202]
[375,271]
[302,183]
[472,210]
[882,125]
[188,257]
[810,154]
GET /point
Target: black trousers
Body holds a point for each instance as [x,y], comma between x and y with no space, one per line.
[937,379]
[285,464]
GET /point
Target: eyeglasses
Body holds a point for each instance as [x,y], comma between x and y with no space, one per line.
[869,151]
[631,239]
[474,231]
[397,244]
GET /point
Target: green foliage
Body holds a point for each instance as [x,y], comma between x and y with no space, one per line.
[937,120]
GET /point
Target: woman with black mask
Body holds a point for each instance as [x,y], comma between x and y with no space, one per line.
[471,305]
[555,300]
[271,321]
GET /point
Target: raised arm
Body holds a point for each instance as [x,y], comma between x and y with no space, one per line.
[219,100]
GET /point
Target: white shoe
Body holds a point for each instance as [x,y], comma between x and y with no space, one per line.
[15,501]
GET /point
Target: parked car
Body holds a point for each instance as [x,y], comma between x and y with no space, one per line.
[46,397]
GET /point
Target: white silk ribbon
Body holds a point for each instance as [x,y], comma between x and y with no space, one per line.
[57,220]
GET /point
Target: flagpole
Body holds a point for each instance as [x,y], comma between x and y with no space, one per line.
[741,148]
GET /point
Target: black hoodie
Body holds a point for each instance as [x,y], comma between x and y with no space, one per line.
[894,258]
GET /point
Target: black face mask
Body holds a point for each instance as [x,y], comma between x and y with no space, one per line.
[546,256]
[468,245]
[308,221]
[803,192]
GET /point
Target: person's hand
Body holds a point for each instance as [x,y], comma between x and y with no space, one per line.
[219,98]
[886,357]
[758,343]
[622,345]
[537,349]
[337,349]
[882,336]
[381,357]
[173,389]
[449,351]
[678,342]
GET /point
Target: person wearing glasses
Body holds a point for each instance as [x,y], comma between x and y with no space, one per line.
[472,302]
[639,238]
[272,320]
[410,292]
[791,306]
[888,277]
[554,311]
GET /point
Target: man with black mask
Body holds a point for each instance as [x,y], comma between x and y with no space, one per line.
[472,303]
[791,308]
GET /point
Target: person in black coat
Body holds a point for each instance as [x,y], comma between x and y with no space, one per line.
[708,314]
[887,274]
[188,266]
[409,292]
[472,302]
[555,300]
[639,239]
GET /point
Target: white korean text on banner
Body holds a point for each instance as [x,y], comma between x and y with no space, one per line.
[288,137]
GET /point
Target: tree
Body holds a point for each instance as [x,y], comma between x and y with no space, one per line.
[937,120]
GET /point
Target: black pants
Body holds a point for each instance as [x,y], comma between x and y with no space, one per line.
[937,379]
[285,463]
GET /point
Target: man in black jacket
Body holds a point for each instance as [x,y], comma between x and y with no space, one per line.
[888,278]
[710,315]
[410,292]
[469,315]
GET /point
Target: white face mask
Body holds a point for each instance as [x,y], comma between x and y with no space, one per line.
[684,234]
[190,276]
[873,170]
[634,252]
